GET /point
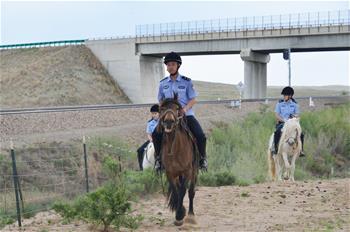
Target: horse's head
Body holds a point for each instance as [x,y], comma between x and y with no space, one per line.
[170,109]
[293,130]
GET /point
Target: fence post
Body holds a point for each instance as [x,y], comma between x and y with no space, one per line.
[86,166]
[15,183]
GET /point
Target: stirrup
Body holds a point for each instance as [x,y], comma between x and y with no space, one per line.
[203,164]
[273,151]
[157,166]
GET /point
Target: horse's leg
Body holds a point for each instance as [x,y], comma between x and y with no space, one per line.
[191,194]
[272,166]
[180,210]
[278,168]
[286,164]
[293,166]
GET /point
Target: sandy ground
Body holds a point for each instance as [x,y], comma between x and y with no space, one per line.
[319,205]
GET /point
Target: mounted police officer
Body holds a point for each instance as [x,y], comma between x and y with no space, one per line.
[286,108]
[183,86]
[151,125]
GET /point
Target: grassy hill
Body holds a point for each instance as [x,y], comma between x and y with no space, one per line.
[54,76]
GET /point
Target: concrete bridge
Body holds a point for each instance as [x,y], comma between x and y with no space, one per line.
[136,63]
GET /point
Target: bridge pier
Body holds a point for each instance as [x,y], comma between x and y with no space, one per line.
[137,75]
[255,70]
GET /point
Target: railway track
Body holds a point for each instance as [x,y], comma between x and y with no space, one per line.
[9,111]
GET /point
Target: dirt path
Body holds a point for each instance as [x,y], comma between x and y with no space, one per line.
[320,205]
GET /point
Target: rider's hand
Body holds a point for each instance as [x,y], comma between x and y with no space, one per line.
[183,111]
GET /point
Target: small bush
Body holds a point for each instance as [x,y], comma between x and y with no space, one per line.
[6,219]
[245,194]
[220,178]
[67,211]
[108,206]
[144,182]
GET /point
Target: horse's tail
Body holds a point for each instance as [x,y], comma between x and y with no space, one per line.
[272,166]
[172,197]
[176,189]
[271,161]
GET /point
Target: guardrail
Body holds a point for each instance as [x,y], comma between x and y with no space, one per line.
[129,106]
[298,20]
[44,44]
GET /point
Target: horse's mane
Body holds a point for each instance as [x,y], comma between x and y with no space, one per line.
[289,126]
[168,101]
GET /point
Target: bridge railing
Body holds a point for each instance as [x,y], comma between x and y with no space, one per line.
[299,20]
[43,44]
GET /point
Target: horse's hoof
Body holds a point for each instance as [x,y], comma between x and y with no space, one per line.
[190,219]
[178,223]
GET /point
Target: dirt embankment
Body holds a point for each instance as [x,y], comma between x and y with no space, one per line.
[55,76]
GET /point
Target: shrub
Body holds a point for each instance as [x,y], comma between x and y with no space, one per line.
[108,206]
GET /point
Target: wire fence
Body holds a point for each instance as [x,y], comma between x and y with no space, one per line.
[33,178]
[298,20]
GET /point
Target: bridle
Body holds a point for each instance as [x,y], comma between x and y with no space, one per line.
[177,122]
[295,139]
[175,114]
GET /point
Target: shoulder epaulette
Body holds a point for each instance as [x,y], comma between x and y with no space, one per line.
[186,78]
[293,100]
[150,120]
[281,100]
[163,79]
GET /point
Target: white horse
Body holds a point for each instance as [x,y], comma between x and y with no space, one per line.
[148,157]
[289,147]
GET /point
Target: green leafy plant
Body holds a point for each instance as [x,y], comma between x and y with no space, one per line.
[108,206]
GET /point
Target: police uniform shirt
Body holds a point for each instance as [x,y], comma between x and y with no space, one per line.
[183,86]
[151,125]
[286,108]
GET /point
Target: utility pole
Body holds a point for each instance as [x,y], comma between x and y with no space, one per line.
[287,56]
[290,70]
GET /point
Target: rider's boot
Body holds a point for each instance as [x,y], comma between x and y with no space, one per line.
[203,163]
[302,153]
[274,149]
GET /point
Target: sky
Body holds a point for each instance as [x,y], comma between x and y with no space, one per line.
[30,21]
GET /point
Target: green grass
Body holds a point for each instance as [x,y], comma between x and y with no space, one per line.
[240,149]
[237,155]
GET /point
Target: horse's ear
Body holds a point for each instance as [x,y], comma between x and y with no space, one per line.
[175,96]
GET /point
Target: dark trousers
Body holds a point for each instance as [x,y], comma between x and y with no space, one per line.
[278,134]
[141,152]
[196,130]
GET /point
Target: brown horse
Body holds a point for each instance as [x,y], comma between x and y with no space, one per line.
[180,159]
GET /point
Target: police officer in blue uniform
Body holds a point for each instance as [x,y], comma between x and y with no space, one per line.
[285,109]
[183,86]
[151,125]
